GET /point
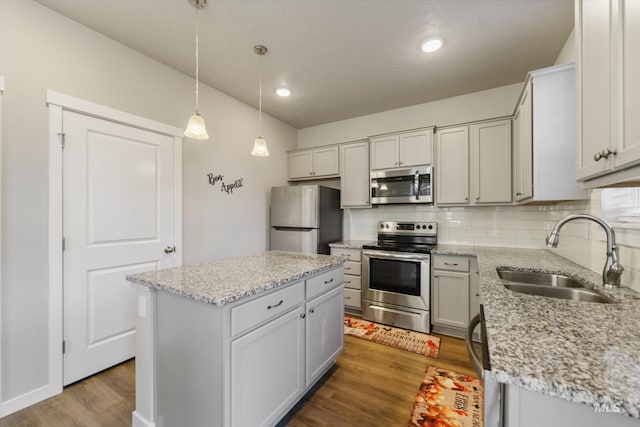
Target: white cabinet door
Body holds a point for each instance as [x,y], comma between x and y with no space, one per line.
[628,149]
[594,85]
[355,187]
[301,164]
[326,162]
[384,152]
[325,332]
[490,144]
[415,147]
[452,166]
[523,159]
[450,305]
[267,370]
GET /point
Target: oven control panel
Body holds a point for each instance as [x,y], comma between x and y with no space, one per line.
[413,228]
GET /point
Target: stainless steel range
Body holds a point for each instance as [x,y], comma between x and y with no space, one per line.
[396,274]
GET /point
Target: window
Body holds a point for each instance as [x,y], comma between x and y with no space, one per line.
[621,207]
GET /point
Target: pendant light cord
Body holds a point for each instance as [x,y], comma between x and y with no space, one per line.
[197,59]
[260,99]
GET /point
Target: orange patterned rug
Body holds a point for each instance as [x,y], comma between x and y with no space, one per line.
[448,399]
[415,342]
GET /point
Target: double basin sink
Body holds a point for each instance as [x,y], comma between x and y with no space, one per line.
[550,285]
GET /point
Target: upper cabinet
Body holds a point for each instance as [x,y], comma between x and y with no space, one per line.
[314,163]
[608,76]
[473,164]
[355,188]
[402,149]
[544,135]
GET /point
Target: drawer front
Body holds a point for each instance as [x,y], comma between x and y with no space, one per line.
[352,282]
[246,316]
[323,282]
[454,263]
[353,268]
[352,298]
[353,254]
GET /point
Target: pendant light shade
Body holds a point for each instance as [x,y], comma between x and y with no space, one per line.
[260,145]
[196,128]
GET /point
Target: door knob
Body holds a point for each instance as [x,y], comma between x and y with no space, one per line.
[169,249]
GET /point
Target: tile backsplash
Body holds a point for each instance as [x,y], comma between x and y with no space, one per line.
[512,226]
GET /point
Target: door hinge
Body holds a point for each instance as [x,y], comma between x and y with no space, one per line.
[64,346]
[62,137]
[64,243]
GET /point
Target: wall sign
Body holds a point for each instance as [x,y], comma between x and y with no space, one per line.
[228,188]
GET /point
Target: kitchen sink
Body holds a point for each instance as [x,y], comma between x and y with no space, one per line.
[575,294]
[550,285]
[544,279]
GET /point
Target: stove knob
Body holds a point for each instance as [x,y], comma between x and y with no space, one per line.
[381,225]
[424,227]
[387,225]
[431,227]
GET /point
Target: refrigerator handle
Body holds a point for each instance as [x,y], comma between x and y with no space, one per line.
[293,228]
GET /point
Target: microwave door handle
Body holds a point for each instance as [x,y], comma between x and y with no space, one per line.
[416,184]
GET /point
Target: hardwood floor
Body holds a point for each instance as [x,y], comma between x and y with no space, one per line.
[371,385]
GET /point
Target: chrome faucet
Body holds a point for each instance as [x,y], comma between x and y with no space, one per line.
[612,269]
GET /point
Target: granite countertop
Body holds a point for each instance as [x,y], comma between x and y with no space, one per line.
[584,352]
[224,281]
[350,244]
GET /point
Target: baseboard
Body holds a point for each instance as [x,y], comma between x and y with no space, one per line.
[138,420]
[27,399]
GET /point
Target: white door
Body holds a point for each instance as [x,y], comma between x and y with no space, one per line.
[118,217]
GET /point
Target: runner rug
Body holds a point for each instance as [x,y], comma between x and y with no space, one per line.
[448,399]
[415,342]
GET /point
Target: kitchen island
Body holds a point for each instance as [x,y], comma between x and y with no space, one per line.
[541,348]
[236,341]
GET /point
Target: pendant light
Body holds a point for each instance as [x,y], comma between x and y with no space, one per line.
[260,145]
[196,128]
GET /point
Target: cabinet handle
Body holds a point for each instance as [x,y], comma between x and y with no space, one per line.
[269,307]
[347,297]
[312,310]
[169,249]
[326,282]
[466,198]
[303,315]
[347,268]
[347,281]
[435,275]
[452,264]
[604,154]
[477,197]
[518,194]
[399,163]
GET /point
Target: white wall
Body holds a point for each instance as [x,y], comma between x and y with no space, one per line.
[43,50]
[568,52]
[482,105]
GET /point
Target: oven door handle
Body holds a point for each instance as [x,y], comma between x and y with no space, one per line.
[396,255]
[475,359]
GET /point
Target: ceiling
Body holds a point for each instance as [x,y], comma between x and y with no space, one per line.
[340,58]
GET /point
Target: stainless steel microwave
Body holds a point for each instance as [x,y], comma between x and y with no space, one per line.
[411,185]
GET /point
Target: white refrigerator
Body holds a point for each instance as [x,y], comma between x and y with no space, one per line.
[305,218]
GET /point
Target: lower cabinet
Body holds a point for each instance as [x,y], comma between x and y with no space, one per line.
[454,293]
[325,333]
[267,370]
[243,364]
[273,365]
[352,279]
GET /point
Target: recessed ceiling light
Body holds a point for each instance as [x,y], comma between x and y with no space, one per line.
[283,91]
[432,45]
